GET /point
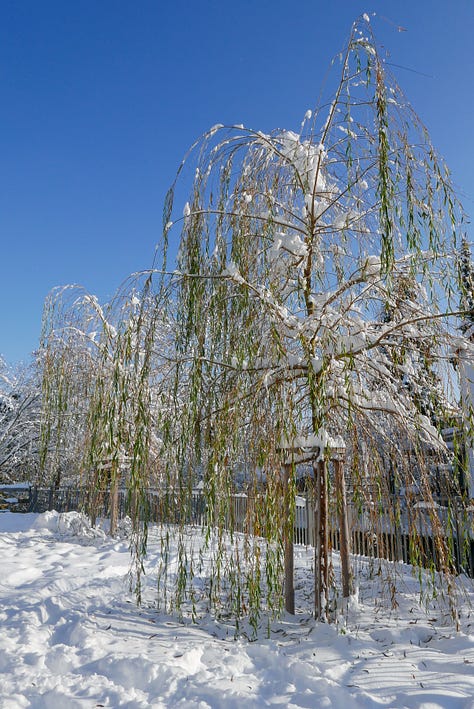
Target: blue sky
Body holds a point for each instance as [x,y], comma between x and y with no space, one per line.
[99,100]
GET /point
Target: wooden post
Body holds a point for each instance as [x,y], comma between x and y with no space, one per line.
[288,532]
[113,502]
[300,450]
[344,539]
[321,566]
[93,497]
[317,543]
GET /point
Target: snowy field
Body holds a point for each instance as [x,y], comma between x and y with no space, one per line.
[71,637]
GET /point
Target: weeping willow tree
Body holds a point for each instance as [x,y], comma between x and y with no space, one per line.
[265,345]
[290,246]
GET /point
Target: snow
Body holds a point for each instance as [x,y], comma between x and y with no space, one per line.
[313,442]
[231,271]
[372,266]
[73,637]
[215,128]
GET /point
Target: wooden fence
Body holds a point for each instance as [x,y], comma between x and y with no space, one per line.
[374,531]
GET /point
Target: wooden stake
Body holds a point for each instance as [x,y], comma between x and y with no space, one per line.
[114,487]
[344,539]
[288,532]
[321,546]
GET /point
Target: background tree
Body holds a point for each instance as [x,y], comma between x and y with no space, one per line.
[463,436]
[466,280]
[102,392]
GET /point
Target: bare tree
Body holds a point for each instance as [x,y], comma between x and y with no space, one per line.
[19,424]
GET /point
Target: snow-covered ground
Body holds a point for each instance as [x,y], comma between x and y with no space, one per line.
[71,636]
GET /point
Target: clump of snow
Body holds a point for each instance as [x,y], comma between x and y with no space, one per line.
[215,128]
[124,528]
[372,266]
[311,447]
[308,159]
[231,271]
[69,524]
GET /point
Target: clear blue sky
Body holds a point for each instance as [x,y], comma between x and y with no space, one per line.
[99,100]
